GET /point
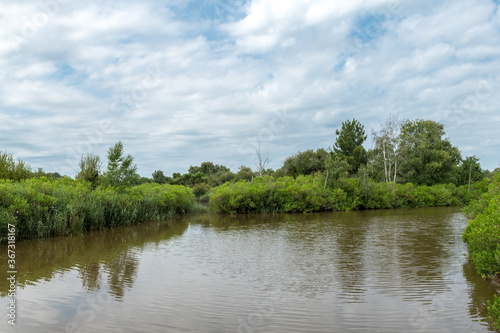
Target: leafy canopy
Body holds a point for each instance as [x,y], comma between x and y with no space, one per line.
[428,158]
[9,169]
[121,170]
[305,163]
[349,144]
[90,168]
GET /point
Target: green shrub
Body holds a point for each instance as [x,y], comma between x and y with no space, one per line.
[41,207]
[308,193]
[482,236]
[494,312]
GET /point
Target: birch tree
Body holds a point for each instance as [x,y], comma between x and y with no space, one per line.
[386,152]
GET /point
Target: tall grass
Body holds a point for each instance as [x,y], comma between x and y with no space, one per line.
[43,207]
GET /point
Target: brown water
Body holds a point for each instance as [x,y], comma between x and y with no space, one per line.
[370,271]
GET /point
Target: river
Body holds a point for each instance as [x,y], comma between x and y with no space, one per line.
[400,270]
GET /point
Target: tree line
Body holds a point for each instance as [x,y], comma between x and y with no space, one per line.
[410,151]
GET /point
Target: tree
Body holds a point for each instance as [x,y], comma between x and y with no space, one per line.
[220,177]
[121,170]
[262,162]
[159,177]
[244,173]
[207,172]
[427,157]
[336,168]
[208,168]
[349,144]
[90,168]
[9,169]
[305,163]
[469,171]
[385,155]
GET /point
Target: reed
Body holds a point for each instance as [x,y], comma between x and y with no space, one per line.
[41,207]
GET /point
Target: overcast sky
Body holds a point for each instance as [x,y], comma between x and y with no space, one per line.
[181,82]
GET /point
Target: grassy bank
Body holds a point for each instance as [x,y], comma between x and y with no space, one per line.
[41,207]
[483,238]
[309,194]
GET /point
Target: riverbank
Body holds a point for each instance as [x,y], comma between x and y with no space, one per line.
[482,236]
[42,207]
[309,194]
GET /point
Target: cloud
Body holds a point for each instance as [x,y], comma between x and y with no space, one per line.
[185,82]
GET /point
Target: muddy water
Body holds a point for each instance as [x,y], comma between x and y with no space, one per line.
[371,271]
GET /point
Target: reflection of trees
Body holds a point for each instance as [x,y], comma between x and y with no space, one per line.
[480,292]
[91,254]
[409,251]
[224,222]
[91,276]
[350,230]
[122,270]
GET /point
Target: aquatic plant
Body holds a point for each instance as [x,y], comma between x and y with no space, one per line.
[42,207]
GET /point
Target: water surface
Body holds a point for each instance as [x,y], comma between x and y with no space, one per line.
[367,271]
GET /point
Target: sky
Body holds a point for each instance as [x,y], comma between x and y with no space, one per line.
[181,82]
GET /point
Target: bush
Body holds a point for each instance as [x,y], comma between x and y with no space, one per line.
[494,312]
[308,193]
[483,237]
[267,194]
[42,207]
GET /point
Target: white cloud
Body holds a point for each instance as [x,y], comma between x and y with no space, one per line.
[179,91]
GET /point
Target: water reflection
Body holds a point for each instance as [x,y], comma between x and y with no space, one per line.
[110,254]
[480,293]
[91,276]
[121,271]
[399,270]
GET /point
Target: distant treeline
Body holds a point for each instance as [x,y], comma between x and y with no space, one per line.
[410,164]
[411,151]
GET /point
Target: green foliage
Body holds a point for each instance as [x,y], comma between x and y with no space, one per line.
[121,170]
[308,193]
[200,190]
[206,173]
[42,207]
[427,157]
[10,169]
[384,157]
[469,169]
[90,167]
[494,312]
[483,232]
[245,173]
[208,168]
[159,177]
[482,236]
[305,163]
[336,168]
[267,194]
[349,144]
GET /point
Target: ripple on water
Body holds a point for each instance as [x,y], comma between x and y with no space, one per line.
[386,271]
